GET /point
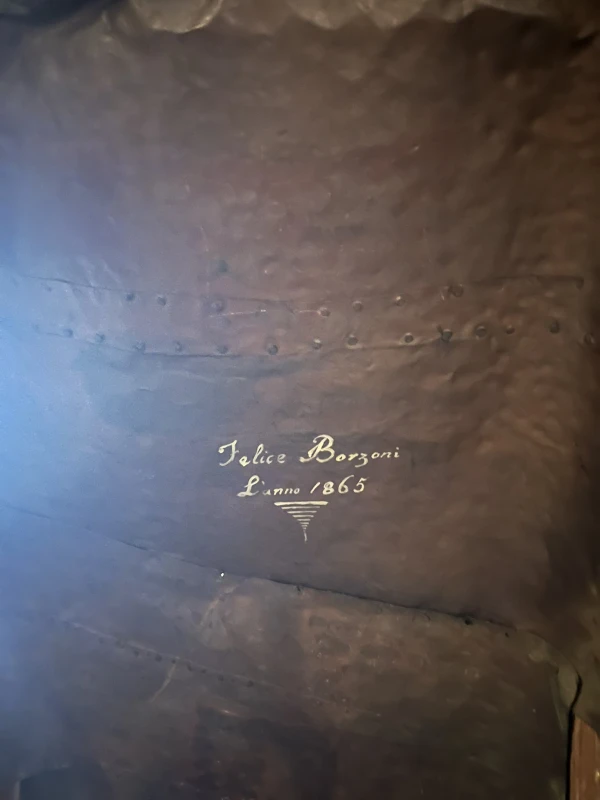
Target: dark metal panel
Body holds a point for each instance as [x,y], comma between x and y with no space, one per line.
[217,151]
[227,237]
[92,422]
[173,224]
[176,679]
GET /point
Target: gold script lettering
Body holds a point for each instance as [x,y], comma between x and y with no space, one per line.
[322,451]
[234,452]
[252,482]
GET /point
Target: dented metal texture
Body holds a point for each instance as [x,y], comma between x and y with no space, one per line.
[298,331]
[267,16]
[253,689]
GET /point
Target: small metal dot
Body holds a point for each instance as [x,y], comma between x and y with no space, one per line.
[140,347]
[130,296]
[408,338]
[218,306]
[445,334]
[161,300]
[554,326]
[352,340]
[178,347]
[456,290]
[357,305]
[99,337]
[222,349]
[68,332]
[272,349]
[480,331]
[324,312]
[399,300]
[317,344]
[510,329]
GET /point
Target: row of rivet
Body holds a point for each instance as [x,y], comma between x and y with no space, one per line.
[140,651]
[445,335]
[217,306]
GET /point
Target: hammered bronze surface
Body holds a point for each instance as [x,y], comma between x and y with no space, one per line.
[298,432]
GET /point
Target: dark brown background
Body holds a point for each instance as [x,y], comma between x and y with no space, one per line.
[230,234]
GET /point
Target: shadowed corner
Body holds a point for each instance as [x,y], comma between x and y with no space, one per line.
[80,781]
[45,11]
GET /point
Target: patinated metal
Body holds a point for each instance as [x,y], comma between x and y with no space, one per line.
[299,335]
[266,16]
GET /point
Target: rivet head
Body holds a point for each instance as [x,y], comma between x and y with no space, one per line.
[408,338]
[352,340]
[161,300]
[99,338]
[399,300]
[324,312]
[68,332]
[217,306]
[222,349]
[357,305]
[317,344]
[445,334]
[510,329]
[456,290]
[554,326]
[140,347]
[480,331]
[130,297]
[272,349]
